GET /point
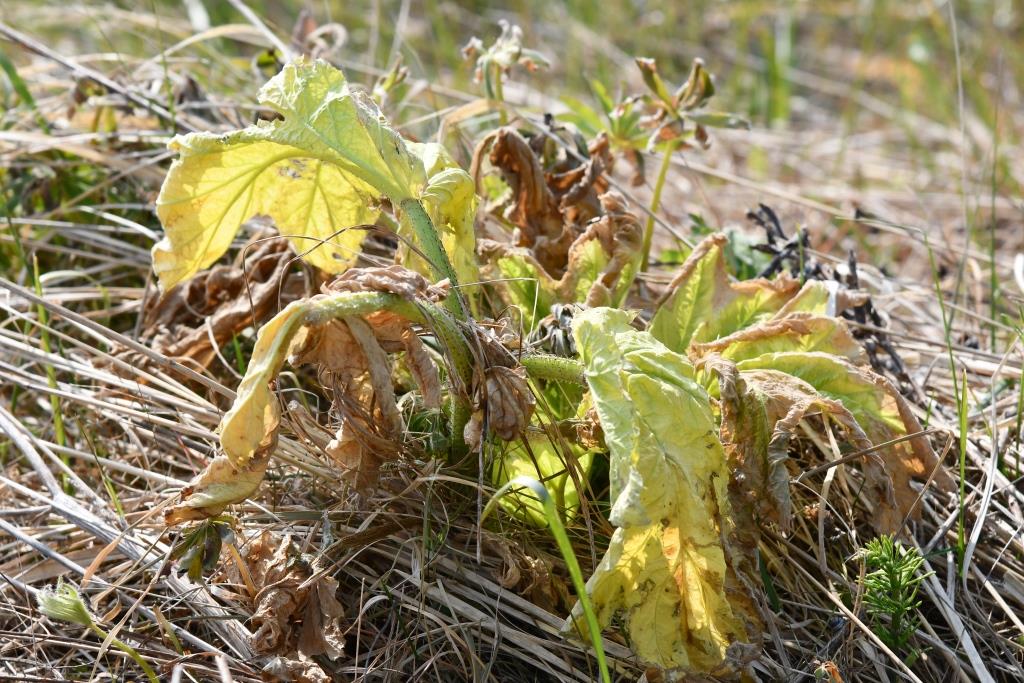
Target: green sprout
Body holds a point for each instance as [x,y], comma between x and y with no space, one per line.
[891,591]
[63,603]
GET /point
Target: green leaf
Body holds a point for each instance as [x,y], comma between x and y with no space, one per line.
[695,293]
[702,304]
[720,120]
[544,460]
[317,171]
[522,282]
[697,89]
[666,571]
[652,79]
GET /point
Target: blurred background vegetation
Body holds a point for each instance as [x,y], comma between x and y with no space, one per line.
[854,104]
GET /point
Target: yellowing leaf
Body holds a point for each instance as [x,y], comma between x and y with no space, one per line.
[760,412]
[537,457]
[450,200]
[254,416]
[218,486]
[522,282]
[794,332]
[702,305]
[881,412]
[666,571]
[317,172]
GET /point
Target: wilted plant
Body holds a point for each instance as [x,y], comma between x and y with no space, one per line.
[493,63]
[678,122]
[695,413]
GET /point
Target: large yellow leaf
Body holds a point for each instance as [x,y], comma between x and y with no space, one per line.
[317,171]
[666,570]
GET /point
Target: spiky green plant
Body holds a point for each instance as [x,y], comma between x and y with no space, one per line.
[890,591]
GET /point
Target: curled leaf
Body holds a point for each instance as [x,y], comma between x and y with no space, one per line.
[395,279]
[254,416]
[761,410]
[296,612]
[221,484]
[506,401]
[883,415]
[795,332]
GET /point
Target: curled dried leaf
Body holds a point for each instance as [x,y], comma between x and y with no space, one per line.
[534,208]
[393,279]
[296,612]
[506,400]
[359,451]
[199,316]
[423,369]
[384,404]
[282,670]
[882,414]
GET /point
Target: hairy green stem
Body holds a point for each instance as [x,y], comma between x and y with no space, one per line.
[447,330]
[437,257]
[554,368]
[659,185]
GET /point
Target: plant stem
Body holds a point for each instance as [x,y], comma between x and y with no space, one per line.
[128,650]
[666,162]
[555,368]
[437,257]
[499,95]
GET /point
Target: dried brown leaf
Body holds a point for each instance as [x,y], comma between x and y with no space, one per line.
[509,401]
[393,279]
[201,315]
[296,614]
[282,670]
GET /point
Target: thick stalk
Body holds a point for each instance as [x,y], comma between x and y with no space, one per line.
[666,162]
[448,332]
[437,257]
[553,368]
